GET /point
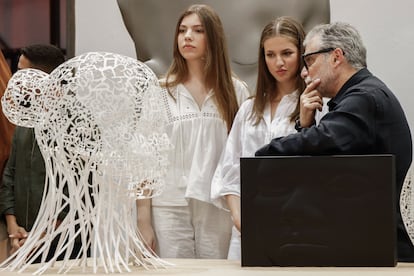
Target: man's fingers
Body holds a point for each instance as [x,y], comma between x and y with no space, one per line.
[311,101]
[312,86]
[315,99]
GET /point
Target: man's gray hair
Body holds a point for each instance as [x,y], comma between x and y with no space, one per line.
[344,36]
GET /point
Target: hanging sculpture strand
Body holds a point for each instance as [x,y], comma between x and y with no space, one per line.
[98,121]
[407,204]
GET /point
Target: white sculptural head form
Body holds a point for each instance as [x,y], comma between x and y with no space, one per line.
[98,122]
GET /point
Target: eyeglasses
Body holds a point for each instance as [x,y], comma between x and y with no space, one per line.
[308,61]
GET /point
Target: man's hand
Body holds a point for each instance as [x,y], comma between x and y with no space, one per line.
[310,101]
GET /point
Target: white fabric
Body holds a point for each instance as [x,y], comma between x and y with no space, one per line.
[235,245]
[199,136]
[245,139]
[199,230]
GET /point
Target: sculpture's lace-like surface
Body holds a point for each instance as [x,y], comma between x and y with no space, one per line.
[407,205]
[98,121]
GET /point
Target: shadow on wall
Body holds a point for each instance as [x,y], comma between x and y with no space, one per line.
[151,25]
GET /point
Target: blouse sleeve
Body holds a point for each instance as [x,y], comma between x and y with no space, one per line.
[226,179]
[242,91]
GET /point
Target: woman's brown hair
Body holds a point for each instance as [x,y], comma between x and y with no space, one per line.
[282,26]
[217,66]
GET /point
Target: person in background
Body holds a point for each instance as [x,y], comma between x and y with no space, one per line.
[270,113]
[202,97]
[24,175]
[364,115]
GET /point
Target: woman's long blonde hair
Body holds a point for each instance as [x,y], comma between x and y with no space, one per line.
[282,26]
[217,66]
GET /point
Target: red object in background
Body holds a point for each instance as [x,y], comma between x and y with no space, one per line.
[6,128]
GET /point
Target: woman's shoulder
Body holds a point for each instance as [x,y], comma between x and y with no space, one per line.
[165,86]
[163,82]
[241,89]
[239,84]
[167,81]
[247,105]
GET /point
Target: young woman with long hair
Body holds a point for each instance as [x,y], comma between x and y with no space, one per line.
[270,113]
[202,97]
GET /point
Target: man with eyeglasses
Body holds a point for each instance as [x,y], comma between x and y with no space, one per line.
[364,115]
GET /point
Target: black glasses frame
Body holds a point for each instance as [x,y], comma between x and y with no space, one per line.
[304,56]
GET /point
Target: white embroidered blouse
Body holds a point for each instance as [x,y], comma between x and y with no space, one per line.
[198,136]
[245,139]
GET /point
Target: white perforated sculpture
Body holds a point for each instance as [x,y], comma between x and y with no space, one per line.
[407,204]
[98,121]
